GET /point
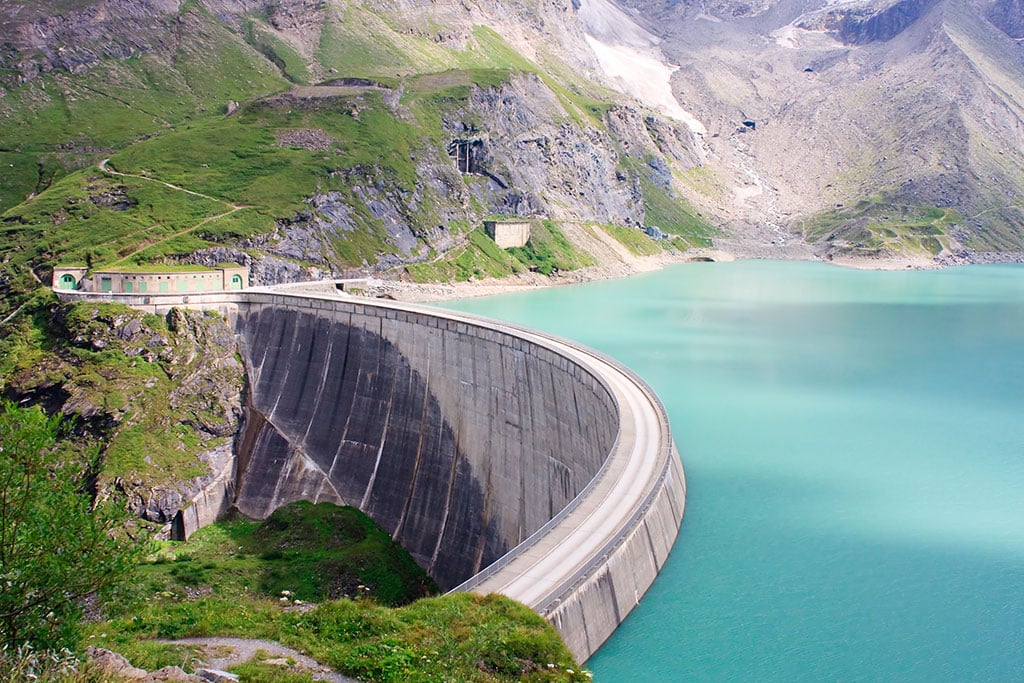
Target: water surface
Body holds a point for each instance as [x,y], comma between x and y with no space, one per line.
[854,450]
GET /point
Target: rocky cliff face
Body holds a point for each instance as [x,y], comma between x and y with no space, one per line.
[42,37]
[158,399]
[46,35]
[547,165]
[858,23]
[1008,15]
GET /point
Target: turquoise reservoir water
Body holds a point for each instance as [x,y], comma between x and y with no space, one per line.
[854,450]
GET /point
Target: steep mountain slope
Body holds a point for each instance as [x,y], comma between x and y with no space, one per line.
[316,137]
[327,136]
[873,127]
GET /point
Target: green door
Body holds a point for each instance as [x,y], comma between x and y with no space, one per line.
[142,286]
[236,282]
[105,284]
[67,281]
[128,287]
[165,286]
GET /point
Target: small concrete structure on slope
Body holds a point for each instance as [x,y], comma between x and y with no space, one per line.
[508,234]
[503,459]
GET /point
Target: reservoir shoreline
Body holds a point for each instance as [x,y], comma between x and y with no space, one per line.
[403,290]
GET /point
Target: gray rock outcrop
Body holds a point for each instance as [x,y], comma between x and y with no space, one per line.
[115,667]
[859,23]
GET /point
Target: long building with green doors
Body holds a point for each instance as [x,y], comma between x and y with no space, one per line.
[152,279]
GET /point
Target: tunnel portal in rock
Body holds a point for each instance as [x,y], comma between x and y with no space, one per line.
[466,153]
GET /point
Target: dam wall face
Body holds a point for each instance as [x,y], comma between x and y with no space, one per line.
[503,459]
[459,440]
[589,609]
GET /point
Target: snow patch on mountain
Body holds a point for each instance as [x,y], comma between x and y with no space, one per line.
[629,55]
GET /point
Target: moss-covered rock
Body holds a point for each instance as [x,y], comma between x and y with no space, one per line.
[158,396]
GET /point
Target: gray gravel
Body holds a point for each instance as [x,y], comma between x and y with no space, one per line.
[224,653]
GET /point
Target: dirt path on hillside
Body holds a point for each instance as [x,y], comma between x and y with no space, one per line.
[146,245]
[224,653]
[106,169]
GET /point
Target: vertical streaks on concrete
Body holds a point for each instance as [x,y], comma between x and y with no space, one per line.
[320,365]
[376,465]
[447,509]
[424,427]
[459,440]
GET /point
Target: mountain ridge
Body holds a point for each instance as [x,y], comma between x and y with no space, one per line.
[851,127]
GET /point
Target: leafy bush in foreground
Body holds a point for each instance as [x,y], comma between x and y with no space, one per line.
[55,548]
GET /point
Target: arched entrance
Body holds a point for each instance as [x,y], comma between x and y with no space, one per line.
[236,282]
[67,281]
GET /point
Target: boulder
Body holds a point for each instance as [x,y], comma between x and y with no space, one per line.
[112,665]
[173,673]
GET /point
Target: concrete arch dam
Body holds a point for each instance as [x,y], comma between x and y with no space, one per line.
[502,459]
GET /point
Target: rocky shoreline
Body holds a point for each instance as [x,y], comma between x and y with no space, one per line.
[401,290]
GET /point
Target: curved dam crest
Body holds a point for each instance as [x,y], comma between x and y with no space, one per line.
[421,423]
[502,459]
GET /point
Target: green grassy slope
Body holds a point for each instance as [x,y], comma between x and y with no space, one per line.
[329,582]
[304,551]
[877,225]
[61,121]
[207,146]
[150,393]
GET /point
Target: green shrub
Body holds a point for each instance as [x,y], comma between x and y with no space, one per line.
[55,548]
